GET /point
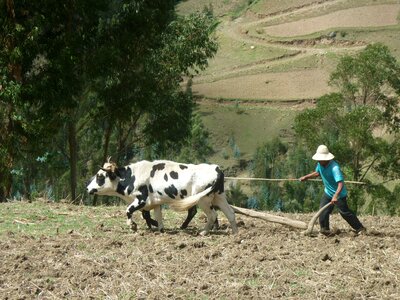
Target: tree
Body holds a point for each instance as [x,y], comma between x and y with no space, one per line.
[110,69]
[143,71]
[42,58]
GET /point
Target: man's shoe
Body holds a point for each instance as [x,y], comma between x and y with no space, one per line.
[361,231]
[325,231]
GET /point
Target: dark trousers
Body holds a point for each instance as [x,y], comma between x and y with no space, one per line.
[344,211]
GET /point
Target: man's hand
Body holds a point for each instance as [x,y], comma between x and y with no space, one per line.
[303,178]
[334,199]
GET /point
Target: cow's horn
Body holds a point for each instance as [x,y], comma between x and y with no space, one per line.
[109,167]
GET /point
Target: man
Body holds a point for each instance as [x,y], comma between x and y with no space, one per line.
[335,190]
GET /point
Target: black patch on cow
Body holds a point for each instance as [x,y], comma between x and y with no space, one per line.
[132,209]
[174,175]
[159,193]
[191,213]
[145,193]
[151,189]
[157,167]
[165,177]
[209,185]
[183,167]
[100,179]
[219,184]
[149,220]
[183,194]
[127,180]
[171,191]
[112,175]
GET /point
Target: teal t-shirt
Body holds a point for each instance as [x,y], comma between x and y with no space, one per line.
[331,175]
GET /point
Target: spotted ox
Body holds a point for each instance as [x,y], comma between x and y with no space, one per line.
[147,185]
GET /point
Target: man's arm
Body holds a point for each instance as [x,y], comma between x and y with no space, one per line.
[337,193]
[309,176]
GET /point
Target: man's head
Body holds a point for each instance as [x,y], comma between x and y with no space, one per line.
[322,155]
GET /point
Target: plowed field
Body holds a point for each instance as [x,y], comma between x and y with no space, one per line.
[59,251]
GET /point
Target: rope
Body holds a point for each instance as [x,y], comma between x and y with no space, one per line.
[284,179]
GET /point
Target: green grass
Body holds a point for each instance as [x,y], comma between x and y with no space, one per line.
[250,126]
[233,54]
[388,36]
[41,218]
[272,6]
[220,7]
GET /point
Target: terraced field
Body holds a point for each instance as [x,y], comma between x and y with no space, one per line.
[273,52]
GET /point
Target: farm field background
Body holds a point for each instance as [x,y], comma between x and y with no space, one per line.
[275,58]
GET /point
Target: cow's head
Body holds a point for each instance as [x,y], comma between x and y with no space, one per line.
[105,181]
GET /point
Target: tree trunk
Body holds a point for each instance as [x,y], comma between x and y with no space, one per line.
[27,187]
[107,136]
[106,144]
[73,158]
[7,141]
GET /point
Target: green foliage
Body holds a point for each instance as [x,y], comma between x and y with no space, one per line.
[236,196]
[371,78]
[88,78]
[383,200]
[277,160]
[196,147]
[347,122]
[236,152]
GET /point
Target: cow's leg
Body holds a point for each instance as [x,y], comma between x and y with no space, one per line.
[158,216]
[222,203]
[205,205]
[149,221]
[135,205]
[216,224]
[191,213]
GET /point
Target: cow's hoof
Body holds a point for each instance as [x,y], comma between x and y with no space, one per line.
[133,226]
[204,233]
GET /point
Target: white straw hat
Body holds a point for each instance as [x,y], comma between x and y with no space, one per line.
[323,153]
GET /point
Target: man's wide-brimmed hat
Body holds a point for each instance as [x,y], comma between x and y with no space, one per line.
[323,153]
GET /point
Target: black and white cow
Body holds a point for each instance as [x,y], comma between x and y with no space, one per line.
[147,185]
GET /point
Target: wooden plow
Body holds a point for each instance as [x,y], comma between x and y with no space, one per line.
[308,228]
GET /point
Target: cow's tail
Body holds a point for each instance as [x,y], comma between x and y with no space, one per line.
[186,203]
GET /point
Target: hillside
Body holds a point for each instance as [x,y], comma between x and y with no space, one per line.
[61,251]
[275,58]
